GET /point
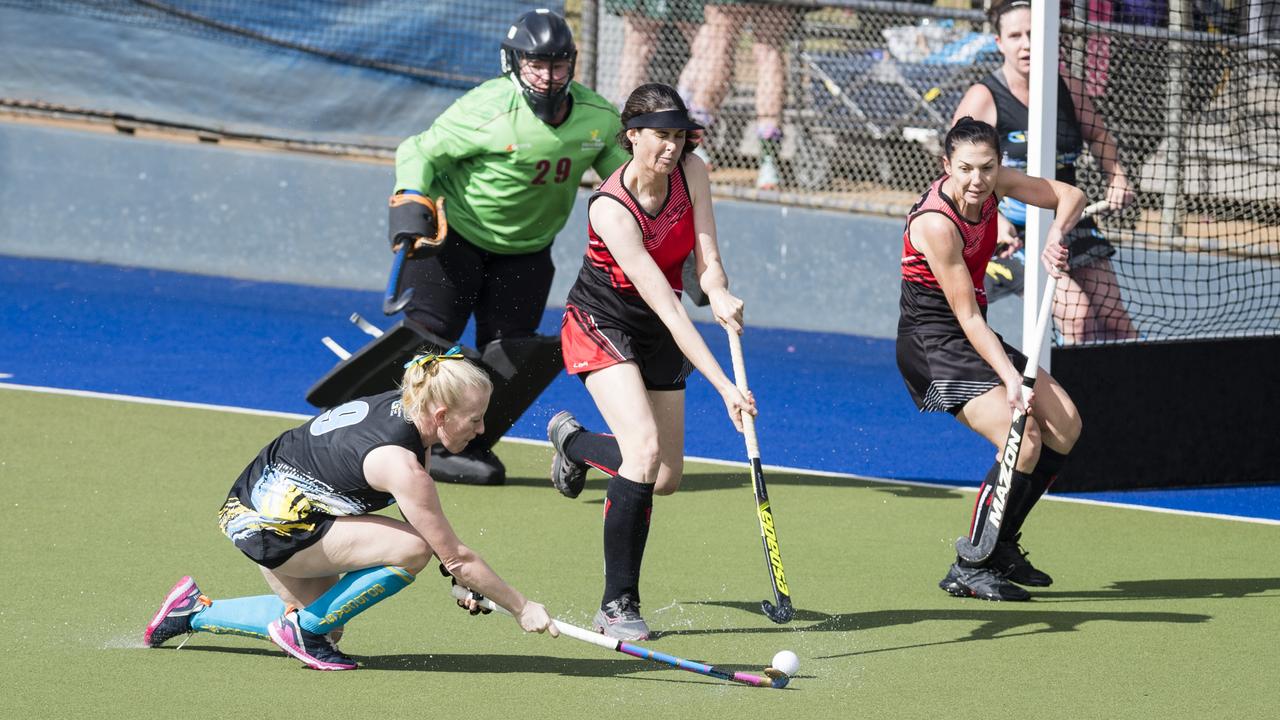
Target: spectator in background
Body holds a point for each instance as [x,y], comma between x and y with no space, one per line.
[712,59]
[508,156]
[643,22]
[1088,305]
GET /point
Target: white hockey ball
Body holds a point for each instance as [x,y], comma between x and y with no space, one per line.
[787,662]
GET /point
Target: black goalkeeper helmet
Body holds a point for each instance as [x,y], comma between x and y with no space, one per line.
[539,35]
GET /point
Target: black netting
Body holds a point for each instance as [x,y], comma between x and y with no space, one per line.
[1192,100]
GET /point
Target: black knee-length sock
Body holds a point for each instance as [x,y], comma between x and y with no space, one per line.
[1019,487]
[1040,479]
[598,450]
[627,507]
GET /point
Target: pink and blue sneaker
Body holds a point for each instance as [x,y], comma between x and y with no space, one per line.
[314,650]
[175,613]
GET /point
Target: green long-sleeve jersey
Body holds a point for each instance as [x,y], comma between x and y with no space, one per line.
[508,178]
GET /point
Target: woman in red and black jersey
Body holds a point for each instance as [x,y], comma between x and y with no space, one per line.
[627,336]
[953,361]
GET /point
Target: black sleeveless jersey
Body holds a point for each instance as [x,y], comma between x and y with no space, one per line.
[319,466]
[1011,126]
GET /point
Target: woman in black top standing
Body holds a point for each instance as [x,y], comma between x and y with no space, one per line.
[1088,306]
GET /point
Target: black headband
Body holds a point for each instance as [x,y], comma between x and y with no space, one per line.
[1002,8]
[673,119]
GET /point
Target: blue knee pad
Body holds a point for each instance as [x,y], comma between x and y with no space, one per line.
[356,592]
[239,616]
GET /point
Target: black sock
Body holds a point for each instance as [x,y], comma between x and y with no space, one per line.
[980,508]
[626,528]
[1045,472]
[595,449]
[1020,489]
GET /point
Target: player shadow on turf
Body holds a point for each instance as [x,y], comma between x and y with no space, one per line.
[996,623]
[471,663]
[751,608]
[1176,589]
[704,481]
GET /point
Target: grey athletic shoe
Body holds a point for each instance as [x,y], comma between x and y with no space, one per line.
[1009,560]
[982,583]
[620,619]
[568,477]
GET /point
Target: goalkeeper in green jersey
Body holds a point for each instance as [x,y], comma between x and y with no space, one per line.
[507,158]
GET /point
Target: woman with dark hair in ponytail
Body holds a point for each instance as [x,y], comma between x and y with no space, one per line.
[953,361]
[626,335]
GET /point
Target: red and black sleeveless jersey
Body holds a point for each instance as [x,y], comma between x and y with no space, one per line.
[979,239]
[924,307]
[668,236]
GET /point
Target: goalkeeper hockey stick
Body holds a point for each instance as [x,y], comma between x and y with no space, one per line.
[392,302]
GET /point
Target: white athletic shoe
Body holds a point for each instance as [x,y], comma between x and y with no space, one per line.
[767,178]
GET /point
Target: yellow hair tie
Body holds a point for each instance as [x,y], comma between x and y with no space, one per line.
[453,353]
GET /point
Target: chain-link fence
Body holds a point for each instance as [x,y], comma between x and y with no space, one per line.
[1188,95]
[835,103]
[828,103]
[1174,106]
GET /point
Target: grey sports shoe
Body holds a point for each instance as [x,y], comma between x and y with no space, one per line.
[982,583]
[568,477]
[620,619]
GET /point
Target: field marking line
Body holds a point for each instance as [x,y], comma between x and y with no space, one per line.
[693,458]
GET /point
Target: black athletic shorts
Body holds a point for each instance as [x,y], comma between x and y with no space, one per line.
[602,328]
[943,372]
[266,540]
[1085,245]
[507,293]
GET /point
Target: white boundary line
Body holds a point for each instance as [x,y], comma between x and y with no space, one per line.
[714,461]
[151,401]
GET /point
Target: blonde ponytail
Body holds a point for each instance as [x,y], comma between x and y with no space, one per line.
[439,379]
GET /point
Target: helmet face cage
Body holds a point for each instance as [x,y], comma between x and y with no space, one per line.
[539,35]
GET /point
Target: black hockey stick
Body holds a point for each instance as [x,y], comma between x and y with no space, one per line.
[997,497]
[782,611]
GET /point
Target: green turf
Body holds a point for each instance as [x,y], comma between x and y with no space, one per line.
[106,503]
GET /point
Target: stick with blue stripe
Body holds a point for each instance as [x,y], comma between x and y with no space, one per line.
[773,678]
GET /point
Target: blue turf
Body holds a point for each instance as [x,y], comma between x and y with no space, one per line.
[828,402]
